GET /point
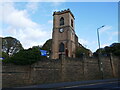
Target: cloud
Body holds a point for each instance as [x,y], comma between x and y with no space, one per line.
[32,6]
[57,3]
[45,0]
[37,0]
[83,42]
[54,10]
[20,26]
[104,29]
[110,38]
[50,21]
[106,44]
[60,0]
[16,18]
[115,33]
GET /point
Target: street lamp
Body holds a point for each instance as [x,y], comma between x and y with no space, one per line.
[98,35]
[99,52]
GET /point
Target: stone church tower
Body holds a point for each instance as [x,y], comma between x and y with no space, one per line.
[64,39]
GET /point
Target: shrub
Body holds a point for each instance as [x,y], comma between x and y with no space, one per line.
[25,57]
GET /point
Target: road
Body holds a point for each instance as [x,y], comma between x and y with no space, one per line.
[106,83]
[104,86]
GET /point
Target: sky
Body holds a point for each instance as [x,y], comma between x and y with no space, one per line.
[32,22]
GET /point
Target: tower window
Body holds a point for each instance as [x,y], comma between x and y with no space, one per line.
[61,21]
[61,47]
[71,22]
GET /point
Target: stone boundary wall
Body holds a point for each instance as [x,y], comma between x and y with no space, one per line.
[52,71]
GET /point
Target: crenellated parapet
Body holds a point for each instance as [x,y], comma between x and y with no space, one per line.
[63,12]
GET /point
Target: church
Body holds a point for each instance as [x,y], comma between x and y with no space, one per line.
[64,39]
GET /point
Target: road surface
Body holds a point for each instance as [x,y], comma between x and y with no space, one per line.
[115,85]
[106,84]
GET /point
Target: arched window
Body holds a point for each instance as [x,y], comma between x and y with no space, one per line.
[61,47]
[71,22]
[61,21]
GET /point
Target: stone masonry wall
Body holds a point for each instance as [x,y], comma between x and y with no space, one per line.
[52,71]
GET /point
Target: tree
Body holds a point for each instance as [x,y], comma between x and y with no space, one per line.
[25,57]
[113,48]
[80,51]
[11,45]
[48,44]
[5,55]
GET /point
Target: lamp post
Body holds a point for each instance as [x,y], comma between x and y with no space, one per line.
[99,52]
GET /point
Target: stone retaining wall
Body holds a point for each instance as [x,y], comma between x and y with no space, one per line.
[52,71]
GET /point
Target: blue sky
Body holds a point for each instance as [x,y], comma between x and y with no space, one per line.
[31,23]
